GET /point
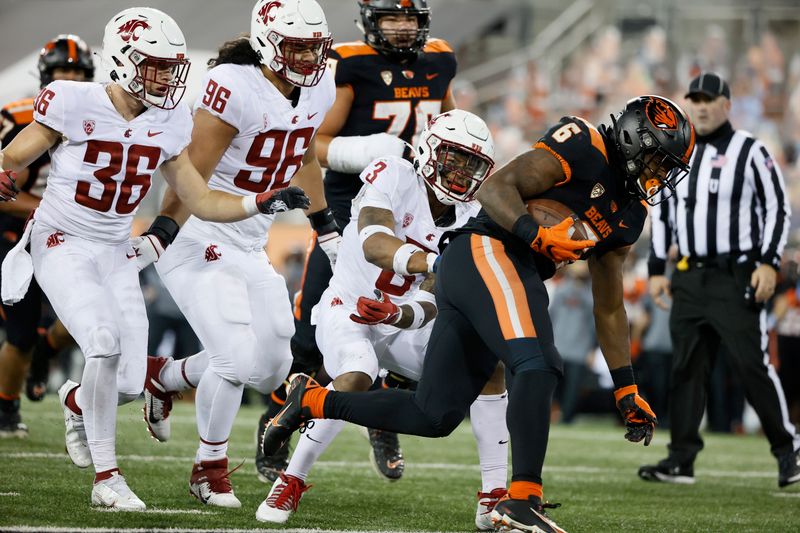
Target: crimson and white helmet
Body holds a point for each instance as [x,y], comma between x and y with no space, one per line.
[140,42]
[454,155]
[281,31]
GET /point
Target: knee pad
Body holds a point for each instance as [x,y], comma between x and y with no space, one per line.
[130,380]
[356,356]
[271,376]
[235,360]
[103,341]
[448,422]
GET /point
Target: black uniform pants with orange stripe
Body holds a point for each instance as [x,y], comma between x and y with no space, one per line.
[492,305]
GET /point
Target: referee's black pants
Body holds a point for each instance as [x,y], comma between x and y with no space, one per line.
[709,308]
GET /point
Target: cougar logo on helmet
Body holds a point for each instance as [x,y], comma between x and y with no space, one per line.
[661,115]
[128,30]
[266,11]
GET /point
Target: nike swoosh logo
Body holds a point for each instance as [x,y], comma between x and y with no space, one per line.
[394,464]
[313,439]
[431,76]
[312,115]
[152,419]
[129,256]
[502,441]
[153,133]
[275,421]
[623,225]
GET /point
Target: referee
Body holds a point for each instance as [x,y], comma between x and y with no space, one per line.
[729,219]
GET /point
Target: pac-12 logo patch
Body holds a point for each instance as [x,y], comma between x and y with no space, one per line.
[88,126]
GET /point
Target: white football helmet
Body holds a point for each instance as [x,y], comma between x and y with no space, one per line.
[454,155]
[282,32]
[139,45]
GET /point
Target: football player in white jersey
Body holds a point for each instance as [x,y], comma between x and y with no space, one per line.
[264,99]
[106,140]
[388,252]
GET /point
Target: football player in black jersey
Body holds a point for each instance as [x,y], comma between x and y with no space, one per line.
[387,88]
[492,299]
[66,57]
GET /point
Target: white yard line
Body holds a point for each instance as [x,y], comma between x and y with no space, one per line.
[786,494]
[49,529]
[157,511]
[413,466]
[8,494]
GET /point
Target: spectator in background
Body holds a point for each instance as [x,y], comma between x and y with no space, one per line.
[573,330]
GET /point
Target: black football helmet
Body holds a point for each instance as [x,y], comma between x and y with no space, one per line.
[654,140]
[373,10]
[65,51]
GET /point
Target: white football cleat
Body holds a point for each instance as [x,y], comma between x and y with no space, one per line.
[157,400]
[282,500]
[75,433]
[211,485]
[486,503]
[114,493]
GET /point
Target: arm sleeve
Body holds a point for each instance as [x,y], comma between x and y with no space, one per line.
[51,105]
[771,193]
[221,96]
[660,237]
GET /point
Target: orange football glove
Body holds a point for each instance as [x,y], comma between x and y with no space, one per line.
[555,242]
[639,418]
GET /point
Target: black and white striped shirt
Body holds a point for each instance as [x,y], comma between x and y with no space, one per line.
[733,202]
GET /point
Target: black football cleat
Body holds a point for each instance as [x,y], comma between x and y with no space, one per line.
[667,471]
[11,426]
[387,457]
[789,468]
[290,418]
[269,468]
[524,515]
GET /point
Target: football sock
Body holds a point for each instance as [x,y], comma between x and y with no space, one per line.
[314,399]
[520,490]
[217,402]
[184,374]
[313,441]
[99,404]
[528,419]
[488,417]
[73,402]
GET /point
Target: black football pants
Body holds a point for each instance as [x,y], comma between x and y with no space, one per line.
[708,308]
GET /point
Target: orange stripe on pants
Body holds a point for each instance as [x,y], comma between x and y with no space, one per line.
[505,287]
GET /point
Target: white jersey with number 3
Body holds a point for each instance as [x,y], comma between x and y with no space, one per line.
[101,169]
[273,135]
[400,190]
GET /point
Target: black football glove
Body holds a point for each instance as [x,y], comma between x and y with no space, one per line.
[278,201]
[640,420]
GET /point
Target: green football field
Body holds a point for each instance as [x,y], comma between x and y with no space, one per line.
[590,469]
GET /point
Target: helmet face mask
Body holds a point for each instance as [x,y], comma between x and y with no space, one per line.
[654,140]
[291,38]
[405,43]
[68,52]
[145,53]
[454,155]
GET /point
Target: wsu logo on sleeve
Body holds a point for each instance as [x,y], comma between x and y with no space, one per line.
[128,30]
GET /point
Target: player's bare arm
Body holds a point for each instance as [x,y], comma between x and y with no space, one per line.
[610,318]
[211,136]
[27,146]
[524,177]
[380,248]
[309,178]
[334,121]
[448,102]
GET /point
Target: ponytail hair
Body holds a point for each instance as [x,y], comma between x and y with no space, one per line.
[237,51]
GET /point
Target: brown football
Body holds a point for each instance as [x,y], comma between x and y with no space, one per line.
[548,213]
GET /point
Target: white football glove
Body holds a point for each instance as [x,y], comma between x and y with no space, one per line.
[148,248]
[330,245]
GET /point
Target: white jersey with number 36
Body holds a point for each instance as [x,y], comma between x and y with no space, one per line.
[400,190]
[272,137]
[101,169]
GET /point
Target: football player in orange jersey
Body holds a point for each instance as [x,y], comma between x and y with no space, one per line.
[66,57]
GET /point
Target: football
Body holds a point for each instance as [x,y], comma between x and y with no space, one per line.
[548,213]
